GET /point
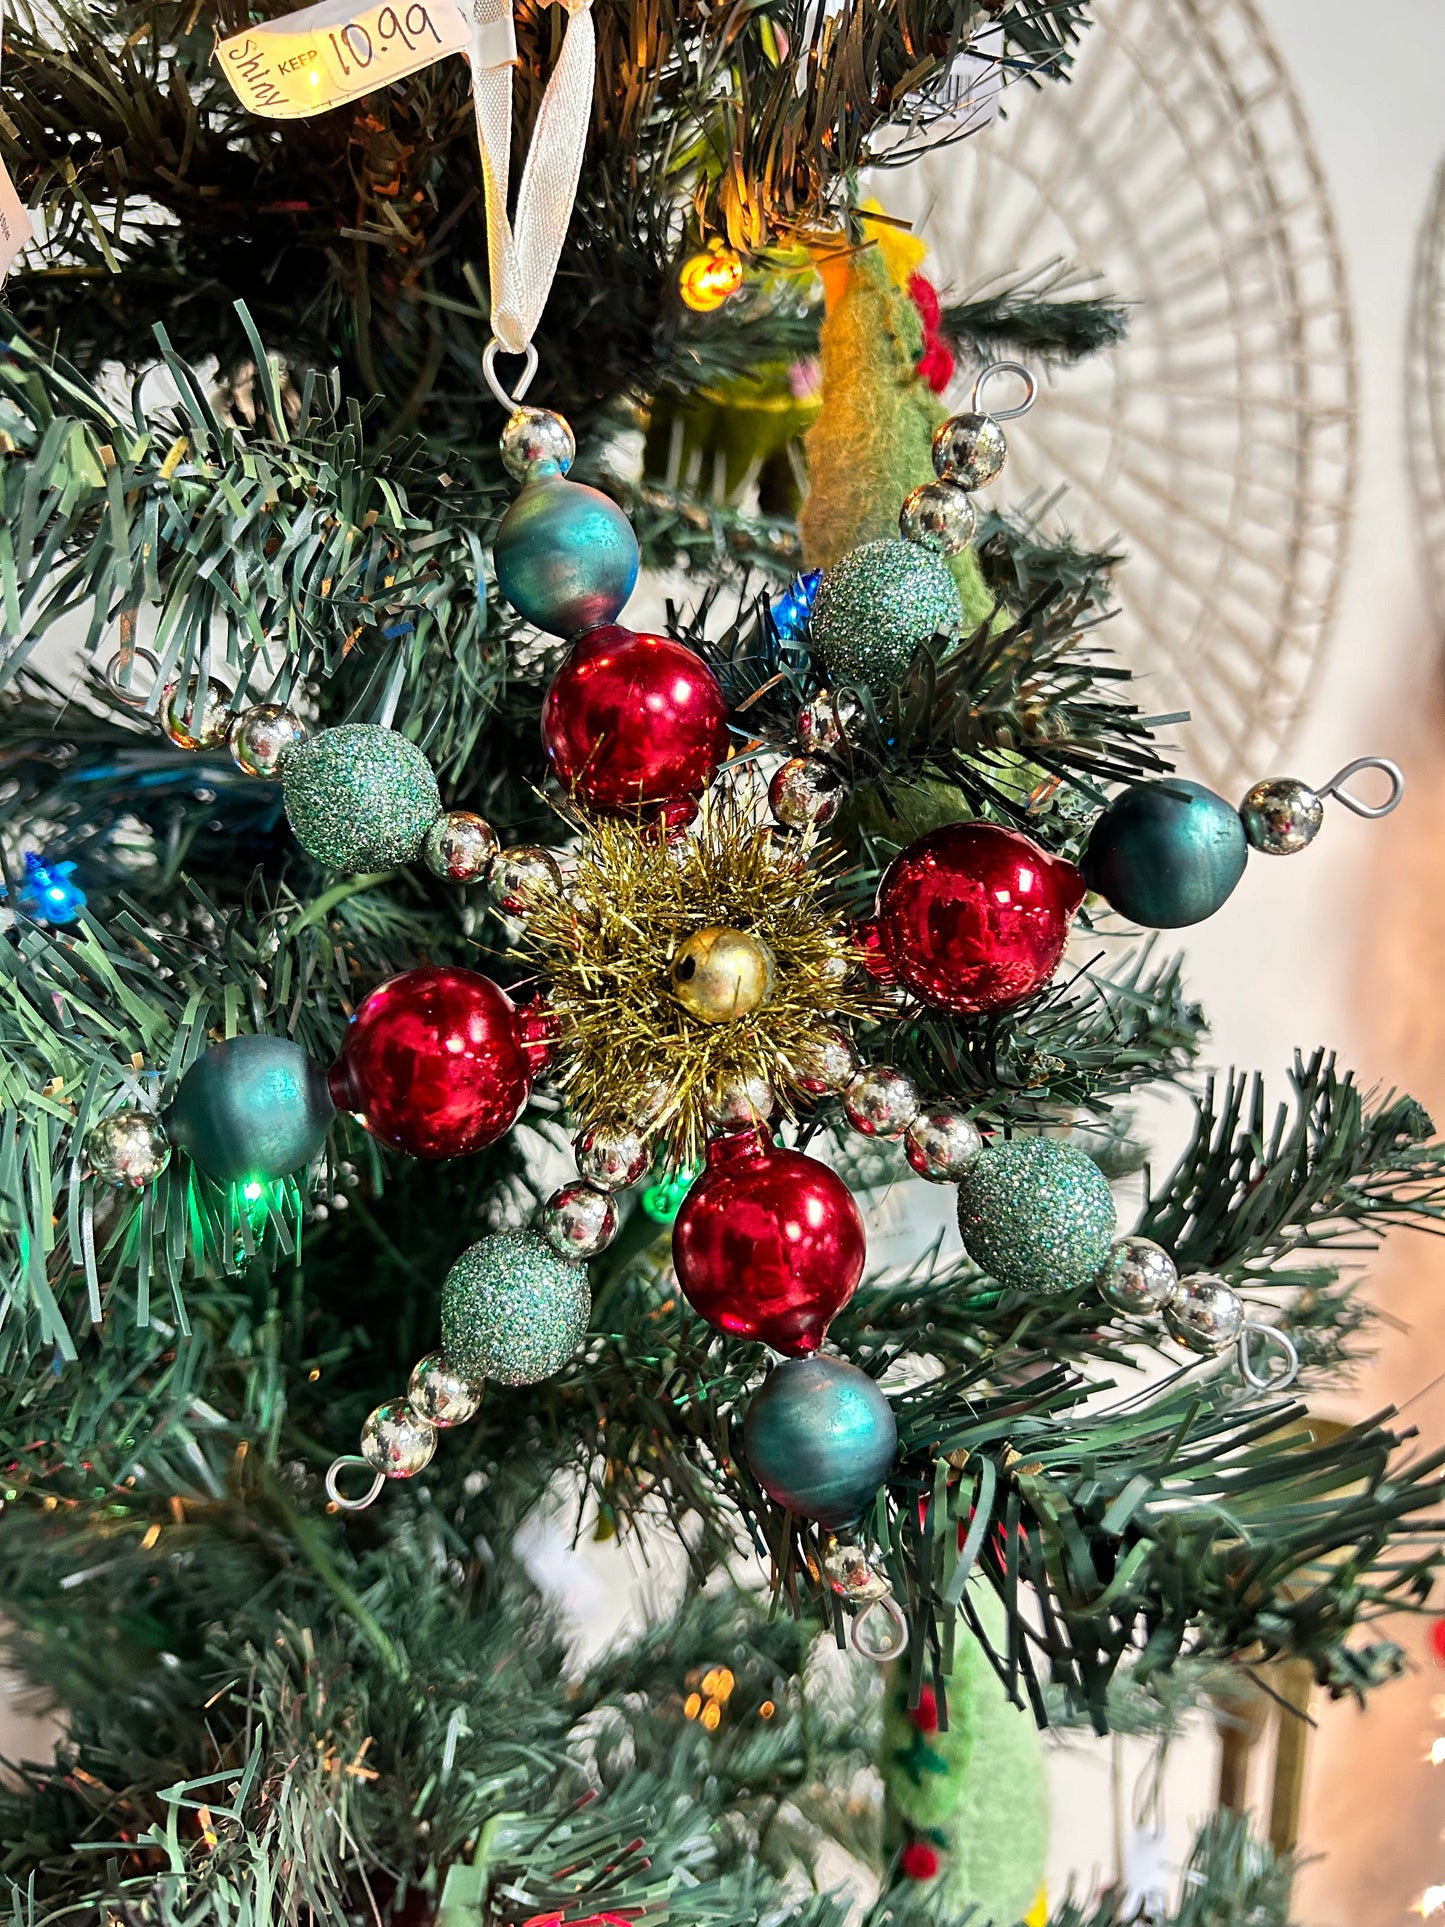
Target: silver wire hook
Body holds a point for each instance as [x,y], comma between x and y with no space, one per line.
[123,692]
[1336,786]
[338,1497]
[489,369]
[890,1609]
[986,375]
[1269,1380]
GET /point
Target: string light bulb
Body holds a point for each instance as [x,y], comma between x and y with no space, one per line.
[709,279]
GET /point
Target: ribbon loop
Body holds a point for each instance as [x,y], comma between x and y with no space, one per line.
[523,253]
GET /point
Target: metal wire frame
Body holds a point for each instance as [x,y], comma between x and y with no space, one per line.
[1218,444]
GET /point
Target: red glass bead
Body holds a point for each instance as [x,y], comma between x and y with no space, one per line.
[433,1062]
[769,1244]
[918,1860]
[974,917]
[634,722]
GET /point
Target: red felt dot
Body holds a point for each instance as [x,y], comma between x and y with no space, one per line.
[925,1715]
[918,1860]
[1437,1641]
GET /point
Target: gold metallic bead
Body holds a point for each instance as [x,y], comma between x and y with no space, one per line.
[719,974]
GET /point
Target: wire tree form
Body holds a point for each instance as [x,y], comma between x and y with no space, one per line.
[1425,393]
[1217,443]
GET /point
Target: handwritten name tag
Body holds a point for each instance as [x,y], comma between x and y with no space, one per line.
[303,63]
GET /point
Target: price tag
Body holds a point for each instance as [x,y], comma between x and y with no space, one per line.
[15,228]
[303,63]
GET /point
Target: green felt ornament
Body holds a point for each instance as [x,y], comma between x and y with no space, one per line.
[967,1806]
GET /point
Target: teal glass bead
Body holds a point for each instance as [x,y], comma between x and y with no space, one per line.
[252,1108]
[1166,854]
[566,556]
[1037,1215]
[820,1438]
[360,797]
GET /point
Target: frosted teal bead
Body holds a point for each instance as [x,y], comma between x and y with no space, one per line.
[1166,854]
[566,556]
[253,1107]
[820,1438]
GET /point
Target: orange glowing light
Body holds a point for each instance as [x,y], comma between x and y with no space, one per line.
[707,280]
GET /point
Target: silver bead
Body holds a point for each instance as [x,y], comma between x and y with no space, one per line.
[969,450]
[941,1144]
[519,876]
[1205,1314]
[805,792]
[1140,1276]
[579,1220]
[129,1149]
[1282,815]
[537,442]
[459,846]
[612,1158]
[847,1571]
[397,1440]
[649,1100]
[881,1102]
[193,721]
[825,1064]
[263,736]
[824,721]
[740,1101]
[440,1395]
[938,516]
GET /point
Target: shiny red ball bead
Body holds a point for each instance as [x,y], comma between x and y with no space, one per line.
[769,1244]
[434,1062]
[974,918]
[634,723]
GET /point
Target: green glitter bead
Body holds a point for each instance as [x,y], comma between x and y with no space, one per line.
[360,797]
[876,606]
[512,1311]
[1036,1214]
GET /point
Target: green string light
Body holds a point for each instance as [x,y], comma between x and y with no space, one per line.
[662,1200]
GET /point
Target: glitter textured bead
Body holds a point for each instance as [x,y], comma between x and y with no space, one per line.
[460,846]
[1036,1214]
[579,1220]
[1282,815]
[825,720]
[434,1062]
[769,1243]
[720,974]
[938,516]
[193,720]
[820,1438]
[805,793]
[129,1149]
[969,450]
[612,1157]
[826,1064]
[440,1395]
[881,1102]
[1139,1277]
[537,442]
[263,736]
[397,1440]
[566,556]
[512,1310]
[941,1144]
[360,797]
[252,1107]
[1166,854]
[1205,1314]
[519,876]
[876,605]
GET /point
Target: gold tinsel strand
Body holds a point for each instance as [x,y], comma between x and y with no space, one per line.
[606,944]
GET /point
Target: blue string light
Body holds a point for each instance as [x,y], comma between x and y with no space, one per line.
[47,894]
[793,610]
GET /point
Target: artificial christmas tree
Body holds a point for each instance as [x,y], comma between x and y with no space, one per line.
[366,829]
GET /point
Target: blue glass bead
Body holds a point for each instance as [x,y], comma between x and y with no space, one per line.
[566,556]
[252,1107]
[820,1438]
[1166,854]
